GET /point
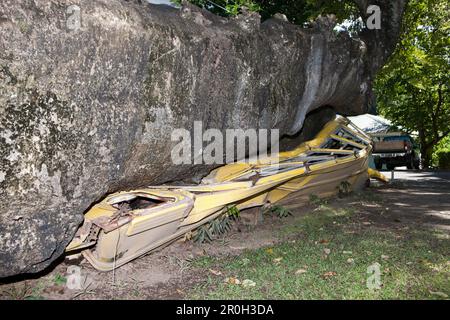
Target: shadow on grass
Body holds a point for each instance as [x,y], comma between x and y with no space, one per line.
[326,255]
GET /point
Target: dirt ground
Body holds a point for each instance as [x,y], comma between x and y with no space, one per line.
[412,199]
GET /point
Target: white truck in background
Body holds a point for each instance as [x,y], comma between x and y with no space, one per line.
[395,149]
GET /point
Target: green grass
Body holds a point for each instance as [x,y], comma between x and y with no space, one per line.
[413,264]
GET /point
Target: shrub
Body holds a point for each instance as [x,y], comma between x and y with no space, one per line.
[443,159]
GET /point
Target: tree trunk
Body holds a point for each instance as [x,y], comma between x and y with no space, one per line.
[427,154]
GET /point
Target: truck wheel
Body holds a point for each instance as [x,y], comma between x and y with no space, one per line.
[410,165]
[410,162]
[417,165]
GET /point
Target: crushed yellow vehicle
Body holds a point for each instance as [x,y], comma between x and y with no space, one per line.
[127,225]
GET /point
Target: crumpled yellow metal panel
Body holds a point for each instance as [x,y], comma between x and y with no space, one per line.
[114,233]
[375,174]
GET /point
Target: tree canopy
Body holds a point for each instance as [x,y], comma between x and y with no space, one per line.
[412,89]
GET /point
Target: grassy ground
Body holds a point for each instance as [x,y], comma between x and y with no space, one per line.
[334,253]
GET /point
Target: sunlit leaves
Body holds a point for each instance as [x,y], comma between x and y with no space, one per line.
[413,88]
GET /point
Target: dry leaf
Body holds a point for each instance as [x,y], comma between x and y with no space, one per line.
[215,272]
[439,294]
[350,260]
[248,283]
[181,292]
[269,251]
[300,271]
[277,260]
[384,257]
[327,251]
[232,280]
[329,274]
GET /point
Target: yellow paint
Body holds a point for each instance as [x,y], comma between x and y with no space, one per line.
[261,181]
[375,174]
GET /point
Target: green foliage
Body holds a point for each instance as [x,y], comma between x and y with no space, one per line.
[224,7]
[217,227]
[60,280]
[297,11]
[220,226]
[279,211]
[233,213]
[203,234]
[344,189]
[315,200]
[442,147]
[443,159]
[413,88]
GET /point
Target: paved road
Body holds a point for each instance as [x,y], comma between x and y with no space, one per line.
[422,197]
[419,176]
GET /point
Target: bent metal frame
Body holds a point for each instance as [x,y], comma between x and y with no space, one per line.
[114,232]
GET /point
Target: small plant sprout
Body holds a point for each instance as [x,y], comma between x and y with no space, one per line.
[203,235]
[233,213]
[217,227]
[316,200]
[279,211]
[60,280]
[344,189]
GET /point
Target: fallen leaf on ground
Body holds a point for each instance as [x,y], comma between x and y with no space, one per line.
[324,241]
[301,271]
[269,251]
[439,294]
[215,272]
[54,289]
[329,274]
[277,260]
[384,257]
[327,251]
[350,260]
[232,280]
[181,292]
[347,252]
[200,252]
[248,283]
